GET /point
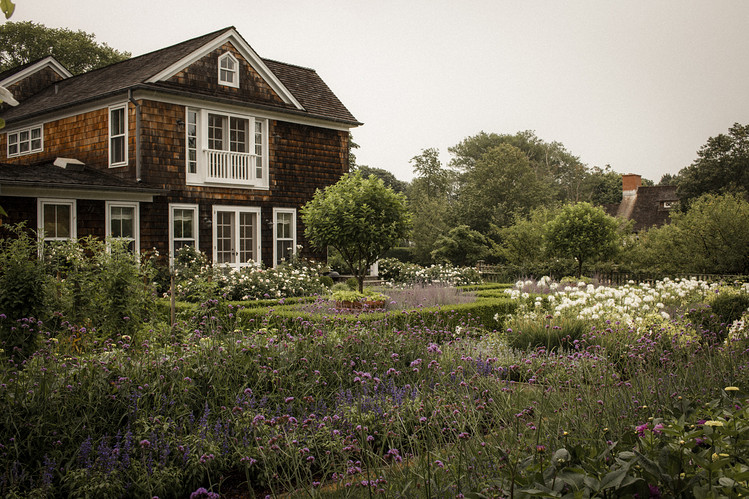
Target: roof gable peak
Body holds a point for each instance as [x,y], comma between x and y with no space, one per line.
[230,35]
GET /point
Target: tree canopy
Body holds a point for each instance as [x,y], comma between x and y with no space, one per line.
[583,232]
[360,217]
[722,166]
[26,41]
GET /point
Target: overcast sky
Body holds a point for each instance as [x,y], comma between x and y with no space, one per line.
[637,84]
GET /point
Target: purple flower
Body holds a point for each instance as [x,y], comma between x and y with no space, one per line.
[145,444]
[641,429]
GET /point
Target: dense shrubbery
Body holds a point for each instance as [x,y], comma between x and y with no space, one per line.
[316,401]
[196,279]
[395,272]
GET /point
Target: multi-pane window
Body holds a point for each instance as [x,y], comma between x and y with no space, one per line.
[284,235]
[228,70]
[226,148]
[122,223]
[236,238]
[192,141]
[118,136]
[25,141]
[220,126]
[56,219]
[183,223]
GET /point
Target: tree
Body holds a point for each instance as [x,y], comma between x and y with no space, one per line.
[462,246]
[583,232]
[387,177]
[360,217]
[549,160]
[603,186]
[722,166]
[524,242]
[499,185]
[25,41]
[712,236]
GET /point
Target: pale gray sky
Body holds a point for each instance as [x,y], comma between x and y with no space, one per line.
[637,84]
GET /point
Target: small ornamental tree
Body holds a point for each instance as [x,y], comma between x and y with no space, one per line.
[359,217]
[583,232]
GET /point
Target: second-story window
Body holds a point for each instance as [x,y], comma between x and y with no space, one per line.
[228,70]
[118,135]
[26,141]
[226,148]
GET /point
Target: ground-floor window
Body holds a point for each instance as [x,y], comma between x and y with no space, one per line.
[183,227]
[284,234]
[236,235]
[122,223]
[56,219]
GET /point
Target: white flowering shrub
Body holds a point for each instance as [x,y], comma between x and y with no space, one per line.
[196,279]
[395,272]
[632,304]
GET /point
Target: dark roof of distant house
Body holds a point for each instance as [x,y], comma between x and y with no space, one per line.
[306,86]
[10,72]
[649,209]
[48,175]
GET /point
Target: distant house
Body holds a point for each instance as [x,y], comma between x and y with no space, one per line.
[202,144]
[647,206]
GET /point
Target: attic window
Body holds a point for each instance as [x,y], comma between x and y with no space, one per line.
[228,70]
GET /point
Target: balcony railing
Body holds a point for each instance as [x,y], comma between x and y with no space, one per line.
[232,167]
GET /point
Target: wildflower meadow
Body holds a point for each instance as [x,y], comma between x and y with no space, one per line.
[532,389]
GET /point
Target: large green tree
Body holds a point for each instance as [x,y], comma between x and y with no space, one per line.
[360,217]
[722,166]
[26,41]
[499,185]
[430,197]
[549,161]
[583,232]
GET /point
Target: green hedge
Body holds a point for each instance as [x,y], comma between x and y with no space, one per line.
[479,313]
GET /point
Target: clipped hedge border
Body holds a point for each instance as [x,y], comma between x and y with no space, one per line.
[478,313]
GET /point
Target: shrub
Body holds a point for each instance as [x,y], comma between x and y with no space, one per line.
[553,333]
[395,272]
[25,290]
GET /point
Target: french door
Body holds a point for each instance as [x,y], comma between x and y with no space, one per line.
[236,235]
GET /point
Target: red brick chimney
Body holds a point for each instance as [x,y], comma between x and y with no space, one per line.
[630,183]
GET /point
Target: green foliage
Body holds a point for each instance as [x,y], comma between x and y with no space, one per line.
[461,246]
[603,186]
[721,167]
[553,333]
[26,41]
[25,290]
[524,242]
[500,185]
[355,296]
[7,7]
[361,218]
[352,283]
[711,237]
[390,180]
[583,232]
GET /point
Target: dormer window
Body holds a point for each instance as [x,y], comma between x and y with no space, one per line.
[228,70]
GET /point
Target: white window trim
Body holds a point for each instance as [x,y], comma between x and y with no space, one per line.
[276,212]
[41,202]
[18,143]
[235,72]
[180,206]
[237,210]
[136,220]
[199,178]
[110,136]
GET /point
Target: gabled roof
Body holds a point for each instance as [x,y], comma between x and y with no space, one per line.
[302,90]
[13,75]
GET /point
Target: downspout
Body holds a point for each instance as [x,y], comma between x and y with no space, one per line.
[137,134]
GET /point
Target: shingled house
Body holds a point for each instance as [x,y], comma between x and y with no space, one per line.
[203,143]
[647,206]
